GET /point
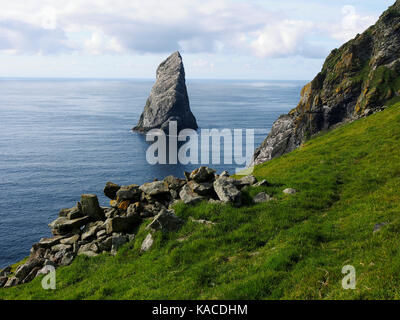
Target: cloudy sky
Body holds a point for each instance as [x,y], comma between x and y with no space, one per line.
[218,39]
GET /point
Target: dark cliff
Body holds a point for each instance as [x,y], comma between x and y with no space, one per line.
[356,80]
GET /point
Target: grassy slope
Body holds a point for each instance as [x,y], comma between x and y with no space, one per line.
[294,247]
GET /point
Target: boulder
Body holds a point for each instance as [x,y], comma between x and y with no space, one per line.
[106,244]
[202,188]
[3,281]
[131,193]
[227,191]
[91,229]
[289,191]
[121,224]
[62,225]
[188,196]
[23,270]
[262,183]
[147,243]
[75,212]
[61,247]
[111,189]
[202,174]
[48,242]
[12,282]
[152,209]
[91,207]
[246,181]
[262,197]
[117,241]
[89,247]
[155,188]
[70,240]
[378,227]
[168,100]
[166,221]
[5,272]
[224,174]
[31,275]
[67,259]
[174,183]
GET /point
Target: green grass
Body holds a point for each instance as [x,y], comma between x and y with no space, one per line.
[292,248]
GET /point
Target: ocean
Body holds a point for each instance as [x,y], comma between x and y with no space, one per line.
[60,138]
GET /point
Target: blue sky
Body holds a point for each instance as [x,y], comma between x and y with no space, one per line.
[218,39]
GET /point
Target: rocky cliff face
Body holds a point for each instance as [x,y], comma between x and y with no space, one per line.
[168,100]
[356,80]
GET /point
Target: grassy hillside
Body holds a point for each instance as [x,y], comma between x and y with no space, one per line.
[291,248]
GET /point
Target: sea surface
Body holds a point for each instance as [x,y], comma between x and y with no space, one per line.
[61,138]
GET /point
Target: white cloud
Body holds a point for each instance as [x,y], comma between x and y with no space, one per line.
[152,26]
[351,24]
[201,64]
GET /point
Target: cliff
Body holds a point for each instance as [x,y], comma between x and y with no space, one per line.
[356,80]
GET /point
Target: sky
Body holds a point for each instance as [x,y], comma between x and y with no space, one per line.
[218,39]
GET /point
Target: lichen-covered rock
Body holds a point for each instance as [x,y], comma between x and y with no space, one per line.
[227,191]
[168,100]
[174,183]
[262,197]
[111,189]
[130,192]
[155,188]
[121,224]
[246,181]
[62,225]
[91,207]
[117,241]
[202,174]
[166,221]
[147,243]
[188,196]
[356,80]
[289,191]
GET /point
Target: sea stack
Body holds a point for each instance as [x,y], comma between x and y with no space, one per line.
[168,100]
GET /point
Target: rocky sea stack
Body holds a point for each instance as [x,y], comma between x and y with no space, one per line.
[168,100]
[356,80]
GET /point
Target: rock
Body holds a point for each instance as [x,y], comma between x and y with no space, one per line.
[75,212]
[118,240]
[262,183]
[67,259]
[121,224]
[48,242]
[289,191]
[5,272]
[174,183]
[62,225]
[166,221]
[155,188]
[150,210]
[111,189]
[224,174]
[246,181]
[378,227]
[70,240]
[168,100]
[214,201]
[131,193]
[31,275]
[89,247]
[101,234]
[111,213]
[202,189]
[188,196]
[61,247]
[147,243]
[24,269]
[134,209]
[91,229]
[332,97]
[88,254]
[3,281]
[262,197]
[106,244]
[226,190]
[203,174]
[12,282]
[91,207]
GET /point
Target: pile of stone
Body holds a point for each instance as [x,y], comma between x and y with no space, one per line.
[88,229]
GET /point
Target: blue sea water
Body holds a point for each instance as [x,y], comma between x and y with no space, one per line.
[61,138]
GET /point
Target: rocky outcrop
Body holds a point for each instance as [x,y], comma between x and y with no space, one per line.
[356,80]
[168,100]
[89,230]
